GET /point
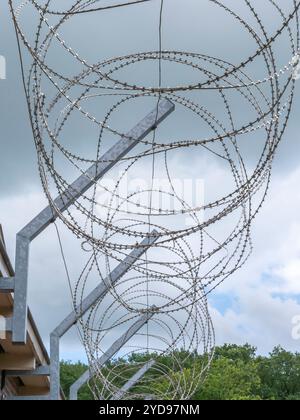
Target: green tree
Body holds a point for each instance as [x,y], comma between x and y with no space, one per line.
[280,375]
[234,352]
[231,380]
[236,374]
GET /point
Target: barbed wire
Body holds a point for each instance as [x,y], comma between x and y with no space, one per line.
[241,111]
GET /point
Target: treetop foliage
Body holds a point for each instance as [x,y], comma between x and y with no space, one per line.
[237,373]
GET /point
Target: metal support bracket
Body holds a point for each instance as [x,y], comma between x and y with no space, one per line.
[111,352]
[98,293]
[64,201]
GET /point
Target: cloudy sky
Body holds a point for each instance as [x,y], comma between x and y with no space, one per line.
[257,304]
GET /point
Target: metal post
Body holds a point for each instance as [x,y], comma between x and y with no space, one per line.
[110,353]
[64,201]
[98,293]
[133,381]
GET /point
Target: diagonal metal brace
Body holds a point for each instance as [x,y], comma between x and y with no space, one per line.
[111,352]
[98,293]
[99,169]
[133,381]
[63,202]
[107,284]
